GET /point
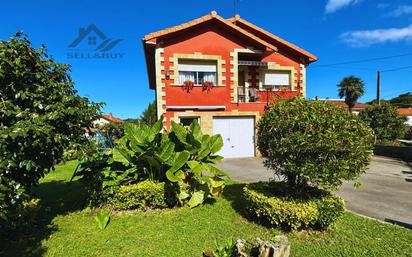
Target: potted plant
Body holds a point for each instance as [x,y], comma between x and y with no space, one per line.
[188,85]
[207,86]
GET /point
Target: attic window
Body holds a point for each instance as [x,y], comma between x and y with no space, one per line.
[198,71]
[277,78]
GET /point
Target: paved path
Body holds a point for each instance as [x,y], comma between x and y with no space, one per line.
[386,191]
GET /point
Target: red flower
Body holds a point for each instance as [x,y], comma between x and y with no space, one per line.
[188,85]
[207,86]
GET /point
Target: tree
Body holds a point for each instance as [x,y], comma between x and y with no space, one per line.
[149,115]
[351,88]
[41,114]
[402,101]
[385,121]
[313,143]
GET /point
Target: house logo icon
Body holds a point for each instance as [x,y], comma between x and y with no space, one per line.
[92,43]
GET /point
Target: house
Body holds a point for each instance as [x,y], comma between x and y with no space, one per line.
[341,102]
[407,112]
[247,66]
[106,119]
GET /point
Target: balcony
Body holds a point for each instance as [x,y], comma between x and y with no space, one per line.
[267,95]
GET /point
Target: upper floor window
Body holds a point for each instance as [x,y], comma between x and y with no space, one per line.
[277,78]
[198,71]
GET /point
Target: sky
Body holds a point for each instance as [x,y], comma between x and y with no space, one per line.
[336,31]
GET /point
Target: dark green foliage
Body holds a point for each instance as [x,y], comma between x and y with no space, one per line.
[275,204]
[315,142]
[41,114]
[402,101]
[179,158]
[385,121]
[149,115]
[22,219]
[408,133]
[141,196]
[351,88]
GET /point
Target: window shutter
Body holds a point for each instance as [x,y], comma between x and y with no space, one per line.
[200,66]
[277,78]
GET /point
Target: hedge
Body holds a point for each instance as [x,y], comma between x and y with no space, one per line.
[279,208]
[141,196]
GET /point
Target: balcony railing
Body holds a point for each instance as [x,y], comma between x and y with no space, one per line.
[267,95]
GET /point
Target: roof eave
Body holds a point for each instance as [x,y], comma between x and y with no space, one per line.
[236,18]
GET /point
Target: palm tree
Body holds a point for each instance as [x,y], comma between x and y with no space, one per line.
[351,88]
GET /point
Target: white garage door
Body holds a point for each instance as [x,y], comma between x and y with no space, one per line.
[237,134]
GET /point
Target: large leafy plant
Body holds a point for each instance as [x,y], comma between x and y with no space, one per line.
[183,157]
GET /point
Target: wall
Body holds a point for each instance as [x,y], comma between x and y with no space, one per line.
[210,41]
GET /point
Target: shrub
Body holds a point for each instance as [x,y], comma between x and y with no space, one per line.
[281,208]
[385,121]
[41,114]
[313,142]
[408,133]
[22,219]
[141,196]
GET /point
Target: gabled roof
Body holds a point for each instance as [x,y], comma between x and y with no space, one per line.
[212,16]
[111,118]
[341,103]
[236,20]
[405,111]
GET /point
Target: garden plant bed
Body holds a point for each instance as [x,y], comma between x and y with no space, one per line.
[68,229]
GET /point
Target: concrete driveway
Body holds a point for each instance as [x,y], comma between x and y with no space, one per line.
[386,191]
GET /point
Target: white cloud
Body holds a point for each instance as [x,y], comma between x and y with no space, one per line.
[401,10]
[334,5]
[365,38]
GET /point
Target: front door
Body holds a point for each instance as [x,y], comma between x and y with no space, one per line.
[237,134]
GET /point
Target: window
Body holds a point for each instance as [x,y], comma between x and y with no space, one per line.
[186,121]
[277,78]
[197,71]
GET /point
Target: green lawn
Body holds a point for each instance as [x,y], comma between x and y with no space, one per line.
[67,230]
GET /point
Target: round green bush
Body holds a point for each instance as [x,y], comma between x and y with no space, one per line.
[314,142]
[141,196]
[387,124]
[275,205]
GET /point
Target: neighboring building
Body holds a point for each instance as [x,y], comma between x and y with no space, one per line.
[107,118]
[341,102]
[247,65]
[407,112]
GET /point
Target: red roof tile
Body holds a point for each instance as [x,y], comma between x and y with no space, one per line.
[110,117]
[341,103]
[405,111]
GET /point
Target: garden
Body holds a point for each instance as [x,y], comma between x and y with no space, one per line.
[159,193]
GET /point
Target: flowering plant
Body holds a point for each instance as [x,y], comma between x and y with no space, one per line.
[188,85]
[207,86]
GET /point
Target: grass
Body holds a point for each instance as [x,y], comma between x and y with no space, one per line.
[68,229]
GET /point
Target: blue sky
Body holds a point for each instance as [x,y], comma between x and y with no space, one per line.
[334,30]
